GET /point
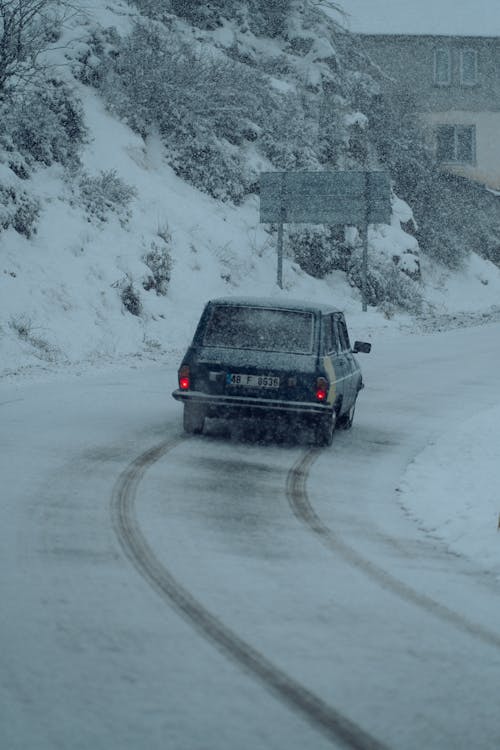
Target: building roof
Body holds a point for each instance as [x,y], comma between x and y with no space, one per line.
[479,18]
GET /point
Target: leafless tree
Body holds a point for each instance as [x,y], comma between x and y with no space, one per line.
[27,27]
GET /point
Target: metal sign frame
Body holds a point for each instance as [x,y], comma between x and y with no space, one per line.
[355,198]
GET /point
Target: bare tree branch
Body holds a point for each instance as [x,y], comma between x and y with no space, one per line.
[22,37]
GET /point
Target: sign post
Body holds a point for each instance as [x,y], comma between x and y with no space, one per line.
[364,240]
[282,210]
[280,255]
[349,198]
[363,233]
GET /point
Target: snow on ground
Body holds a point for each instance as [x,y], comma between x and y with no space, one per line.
[452,489]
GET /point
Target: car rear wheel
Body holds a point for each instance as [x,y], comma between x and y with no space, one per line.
[324,429]
[194,418]
[345,421]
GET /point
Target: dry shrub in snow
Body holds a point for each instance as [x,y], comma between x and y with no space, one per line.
[159,261]
[130,297]
[23,327]
[105,194]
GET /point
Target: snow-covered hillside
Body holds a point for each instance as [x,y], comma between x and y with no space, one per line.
[90,287]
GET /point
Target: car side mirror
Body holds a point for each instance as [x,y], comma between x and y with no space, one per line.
[362,346]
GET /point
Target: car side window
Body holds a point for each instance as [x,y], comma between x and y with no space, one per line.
[343,336]
[328,340]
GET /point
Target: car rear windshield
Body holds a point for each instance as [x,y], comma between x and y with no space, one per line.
[263,329]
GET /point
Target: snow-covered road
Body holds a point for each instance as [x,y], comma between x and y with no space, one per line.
[326,568]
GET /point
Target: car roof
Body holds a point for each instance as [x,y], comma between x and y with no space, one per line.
[277,304]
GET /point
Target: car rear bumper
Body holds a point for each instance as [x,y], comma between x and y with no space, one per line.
[225,405]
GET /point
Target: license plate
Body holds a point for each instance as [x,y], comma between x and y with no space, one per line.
[253,381]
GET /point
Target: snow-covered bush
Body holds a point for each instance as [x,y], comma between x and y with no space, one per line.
[204,15]
[392,280]
[207,16]
[395,129]
[269,18]
[18,210]
[86,58]
[265,17]
[208,108]
[43,124]
[104,194]
[212,168]
[130,297]
[39,125]
[159,261]
[388,286]
[289,138]
[318,250]
[202,104]
[456,217]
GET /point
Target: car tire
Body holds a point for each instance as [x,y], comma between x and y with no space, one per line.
[194,418]
[345,421]
[324,429]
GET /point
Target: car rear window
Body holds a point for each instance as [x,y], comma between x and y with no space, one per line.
[263,329]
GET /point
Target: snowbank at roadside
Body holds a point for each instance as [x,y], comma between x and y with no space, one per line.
[452,489]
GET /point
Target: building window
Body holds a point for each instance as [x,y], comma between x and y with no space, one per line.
[442,67]
[468,67]
[456,144]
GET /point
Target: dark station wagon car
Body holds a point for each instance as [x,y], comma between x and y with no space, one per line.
[254,357]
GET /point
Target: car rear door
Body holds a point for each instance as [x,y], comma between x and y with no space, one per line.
[333,360]
[257,352]
[344,361]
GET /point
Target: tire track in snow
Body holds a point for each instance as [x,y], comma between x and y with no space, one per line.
[331,722]
[301,506]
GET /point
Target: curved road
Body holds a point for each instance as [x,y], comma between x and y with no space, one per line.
[220,592]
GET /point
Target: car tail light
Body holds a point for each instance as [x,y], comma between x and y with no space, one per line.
[321,389]
[184,379]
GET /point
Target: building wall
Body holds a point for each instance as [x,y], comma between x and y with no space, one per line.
[407,64]
[408,61]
